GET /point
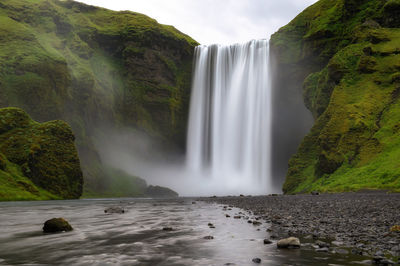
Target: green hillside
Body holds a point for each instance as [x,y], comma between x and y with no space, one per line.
[345,56]
[94,68]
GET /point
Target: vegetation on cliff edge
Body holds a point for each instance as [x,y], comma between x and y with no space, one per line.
[346,54]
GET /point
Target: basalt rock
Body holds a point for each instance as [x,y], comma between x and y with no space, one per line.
[111,210]
[56,225]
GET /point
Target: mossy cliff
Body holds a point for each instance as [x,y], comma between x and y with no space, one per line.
[37,161]
[345,55]
[94,67]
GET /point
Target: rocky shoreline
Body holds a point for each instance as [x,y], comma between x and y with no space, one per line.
[361,223]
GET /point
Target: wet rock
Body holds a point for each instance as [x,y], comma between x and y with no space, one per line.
[347,218]
[256,223]
[322,244]
[273,237]
[208,237]
[56,225]
[256,260]
[267,241]
[227,215]
[356,252]
[114,210]
[167,229]
[193,202]
[315,193]
[337,243]
[291,242]
[322,249]
[382,261]
[237,217]
[342,251]
[250,221]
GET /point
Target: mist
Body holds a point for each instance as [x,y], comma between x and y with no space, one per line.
[138,154]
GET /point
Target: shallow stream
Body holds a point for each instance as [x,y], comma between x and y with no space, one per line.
[136,237]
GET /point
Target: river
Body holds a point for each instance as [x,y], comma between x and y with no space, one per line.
[136,237]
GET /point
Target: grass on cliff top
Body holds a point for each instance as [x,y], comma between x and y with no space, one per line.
[325,27]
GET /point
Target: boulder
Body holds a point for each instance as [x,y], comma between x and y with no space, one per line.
[291,242]
[56,225]
[114,210]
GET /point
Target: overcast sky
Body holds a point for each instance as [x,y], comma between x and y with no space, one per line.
[216,21]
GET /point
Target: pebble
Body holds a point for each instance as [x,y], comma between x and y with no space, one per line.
[267,241]
[360,221]
[291,242]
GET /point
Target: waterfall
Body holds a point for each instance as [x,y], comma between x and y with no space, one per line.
[229,121]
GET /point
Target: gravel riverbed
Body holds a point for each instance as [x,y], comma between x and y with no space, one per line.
[360,223]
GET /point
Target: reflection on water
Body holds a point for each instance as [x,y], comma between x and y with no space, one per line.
[136,237]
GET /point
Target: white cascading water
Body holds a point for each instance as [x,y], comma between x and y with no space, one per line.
[230,112]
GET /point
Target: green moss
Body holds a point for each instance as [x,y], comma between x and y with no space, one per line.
[352,90]
[37,161]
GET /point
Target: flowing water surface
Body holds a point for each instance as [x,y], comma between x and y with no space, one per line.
[137,236]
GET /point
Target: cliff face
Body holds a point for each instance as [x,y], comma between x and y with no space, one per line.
[37,161]
[345,56]
[94,67]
